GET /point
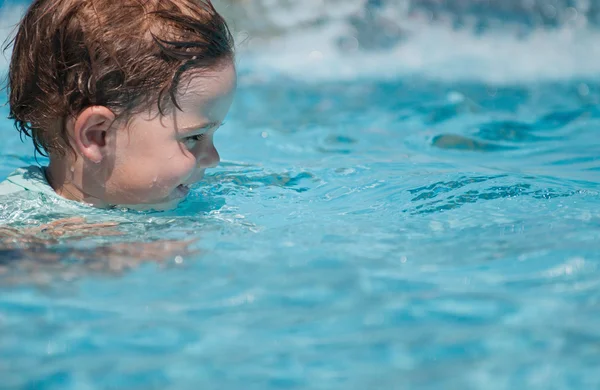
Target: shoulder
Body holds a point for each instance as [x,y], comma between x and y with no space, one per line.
[30,178]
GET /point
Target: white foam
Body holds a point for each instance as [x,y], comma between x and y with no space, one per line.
[436,52]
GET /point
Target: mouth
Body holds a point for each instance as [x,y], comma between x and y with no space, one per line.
[169,203]
[182,190]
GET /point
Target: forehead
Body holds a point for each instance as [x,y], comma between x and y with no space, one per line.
[207,85]
[204,96]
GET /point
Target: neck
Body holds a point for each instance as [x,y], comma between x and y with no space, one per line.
[65,177]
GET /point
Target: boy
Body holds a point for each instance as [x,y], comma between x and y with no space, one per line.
[124,97]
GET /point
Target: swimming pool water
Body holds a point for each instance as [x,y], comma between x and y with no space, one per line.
[375,233]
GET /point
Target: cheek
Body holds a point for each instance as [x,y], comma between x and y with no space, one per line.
[152,175]
[174,169]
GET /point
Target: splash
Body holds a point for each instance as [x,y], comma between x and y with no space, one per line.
[434,52]
[507,42]
[495,42]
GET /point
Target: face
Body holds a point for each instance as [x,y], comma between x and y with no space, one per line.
[156,158]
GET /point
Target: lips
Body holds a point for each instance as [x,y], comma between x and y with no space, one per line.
[177,196]
[183,190]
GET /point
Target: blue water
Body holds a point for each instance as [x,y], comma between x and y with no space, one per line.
[405,233]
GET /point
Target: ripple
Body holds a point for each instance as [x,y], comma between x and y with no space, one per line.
[433,190]
[462,143]
[443,196]
[510,131]
[340,139]
[337,143]
[227,183]
[560,119]
[320,270]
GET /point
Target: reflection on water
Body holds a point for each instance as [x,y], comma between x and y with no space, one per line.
[64,250]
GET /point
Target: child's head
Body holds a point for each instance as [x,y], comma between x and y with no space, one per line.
[124,96]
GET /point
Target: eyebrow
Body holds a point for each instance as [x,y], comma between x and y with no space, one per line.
[199,127]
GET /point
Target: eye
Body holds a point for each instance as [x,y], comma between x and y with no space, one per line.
[190,142]
[197,137]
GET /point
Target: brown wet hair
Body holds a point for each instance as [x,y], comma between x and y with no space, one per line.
[126,55]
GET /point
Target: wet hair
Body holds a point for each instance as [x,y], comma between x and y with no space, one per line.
[126,55]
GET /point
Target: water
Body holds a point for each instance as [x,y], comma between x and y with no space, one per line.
[384,227]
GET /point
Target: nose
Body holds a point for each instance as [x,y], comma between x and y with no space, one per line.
[208,157]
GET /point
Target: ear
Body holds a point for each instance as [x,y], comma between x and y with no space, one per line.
[89,132]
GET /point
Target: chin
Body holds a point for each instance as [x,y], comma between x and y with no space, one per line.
[161,206]
[177,196]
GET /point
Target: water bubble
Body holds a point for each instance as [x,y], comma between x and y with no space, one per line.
[349,43]
[315,55]
[571,14]
[455,97]
[583,89]
[178,260]
[549,11]
[264,134]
